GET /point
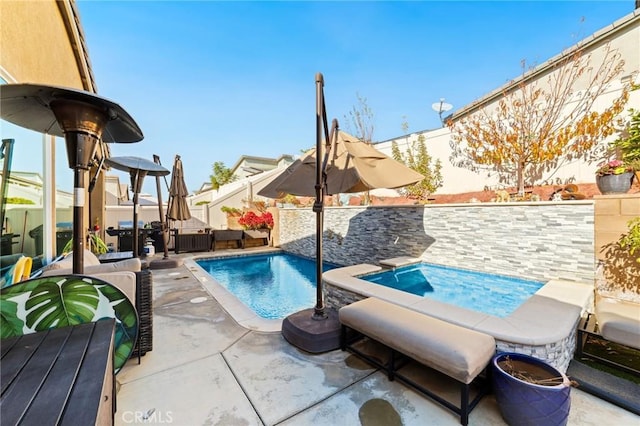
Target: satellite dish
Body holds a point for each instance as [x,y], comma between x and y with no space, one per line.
[441,107]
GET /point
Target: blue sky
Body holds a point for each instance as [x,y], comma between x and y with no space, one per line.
[212,81]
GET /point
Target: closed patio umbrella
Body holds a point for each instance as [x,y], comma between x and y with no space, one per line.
[345,165]
[177,208]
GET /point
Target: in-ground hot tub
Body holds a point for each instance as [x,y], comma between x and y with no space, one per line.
[543,326]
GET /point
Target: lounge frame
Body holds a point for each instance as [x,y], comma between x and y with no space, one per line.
[397,360]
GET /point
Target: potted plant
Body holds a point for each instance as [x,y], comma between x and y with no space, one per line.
[233,214]
[627,146]
[256,226]
[614,177]
[530,391]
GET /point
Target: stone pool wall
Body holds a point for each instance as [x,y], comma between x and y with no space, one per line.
[542,241]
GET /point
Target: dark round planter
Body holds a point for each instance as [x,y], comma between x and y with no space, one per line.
[524,403]
[615,184]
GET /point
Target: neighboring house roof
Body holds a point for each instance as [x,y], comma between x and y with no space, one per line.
[270,163]
[204,187]
[598,37]
[73,26]
[249,165]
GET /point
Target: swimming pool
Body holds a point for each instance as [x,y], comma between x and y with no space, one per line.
[492,294]
[272,285]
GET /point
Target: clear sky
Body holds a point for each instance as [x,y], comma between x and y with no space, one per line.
[212,81]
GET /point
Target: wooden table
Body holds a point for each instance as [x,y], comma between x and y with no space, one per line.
[59,376]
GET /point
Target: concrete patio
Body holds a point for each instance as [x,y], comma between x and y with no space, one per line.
[206,369]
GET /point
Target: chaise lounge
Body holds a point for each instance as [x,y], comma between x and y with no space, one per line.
[615,320]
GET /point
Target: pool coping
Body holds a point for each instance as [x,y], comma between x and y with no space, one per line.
[549,316]
[240,312]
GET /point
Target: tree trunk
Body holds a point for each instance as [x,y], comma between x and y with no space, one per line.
[521,179]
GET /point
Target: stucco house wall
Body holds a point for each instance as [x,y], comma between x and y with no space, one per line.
[42,42]
[37,47]
[622,35]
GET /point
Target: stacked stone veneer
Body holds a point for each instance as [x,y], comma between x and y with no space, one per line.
[540,241]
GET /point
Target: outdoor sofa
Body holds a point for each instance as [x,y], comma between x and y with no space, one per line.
[129,277]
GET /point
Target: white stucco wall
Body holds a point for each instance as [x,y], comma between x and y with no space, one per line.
[623,36]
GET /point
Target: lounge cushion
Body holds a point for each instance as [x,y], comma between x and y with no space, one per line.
[458,352]
[619,321]
[67,263]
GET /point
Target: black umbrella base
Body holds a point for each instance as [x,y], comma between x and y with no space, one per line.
[165,263]
[311,335]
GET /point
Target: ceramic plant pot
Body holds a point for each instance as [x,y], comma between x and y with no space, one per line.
[539,395]
[615,184]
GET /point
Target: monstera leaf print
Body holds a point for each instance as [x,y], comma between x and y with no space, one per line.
[126,326]
[54,302]
[59,304]
[10,324]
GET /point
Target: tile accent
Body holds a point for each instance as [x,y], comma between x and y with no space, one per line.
[541,241]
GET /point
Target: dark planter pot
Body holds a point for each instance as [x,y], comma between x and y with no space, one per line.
[524,403]
[615,184]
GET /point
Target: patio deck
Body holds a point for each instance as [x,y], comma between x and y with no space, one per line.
[205,368]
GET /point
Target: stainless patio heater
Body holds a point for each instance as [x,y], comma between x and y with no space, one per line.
[83,119]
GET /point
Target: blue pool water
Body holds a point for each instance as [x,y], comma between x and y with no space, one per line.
[272,285]
[497,295]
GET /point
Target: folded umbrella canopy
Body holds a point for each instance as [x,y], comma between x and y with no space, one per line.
[178,208]
[352,166]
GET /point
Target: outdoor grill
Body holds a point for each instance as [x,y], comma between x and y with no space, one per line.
[124,232]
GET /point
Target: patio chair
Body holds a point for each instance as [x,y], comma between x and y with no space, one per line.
[615,320]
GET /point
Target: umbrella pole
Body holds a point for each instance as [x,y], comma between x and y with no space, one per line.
[316,330]
[163,223]
[137,176]
[319,312]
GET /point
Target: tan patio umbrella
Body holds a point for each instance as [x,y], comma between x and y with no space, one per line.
[352,166]
[177,208]
[345,165]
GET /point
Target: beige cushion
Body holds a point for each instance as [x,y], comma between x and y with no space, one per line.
[132,265]
[67,263]
[458,352]
[619,321]
[123,280]
[65,267]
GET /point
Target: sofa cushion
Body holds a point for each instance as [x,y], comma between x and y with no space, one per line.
[67,262]
[123,280]
[619,321]
[66,268]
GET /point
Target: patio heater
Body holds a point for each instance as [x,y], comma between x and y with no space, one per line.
[138,168]
[83,119]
